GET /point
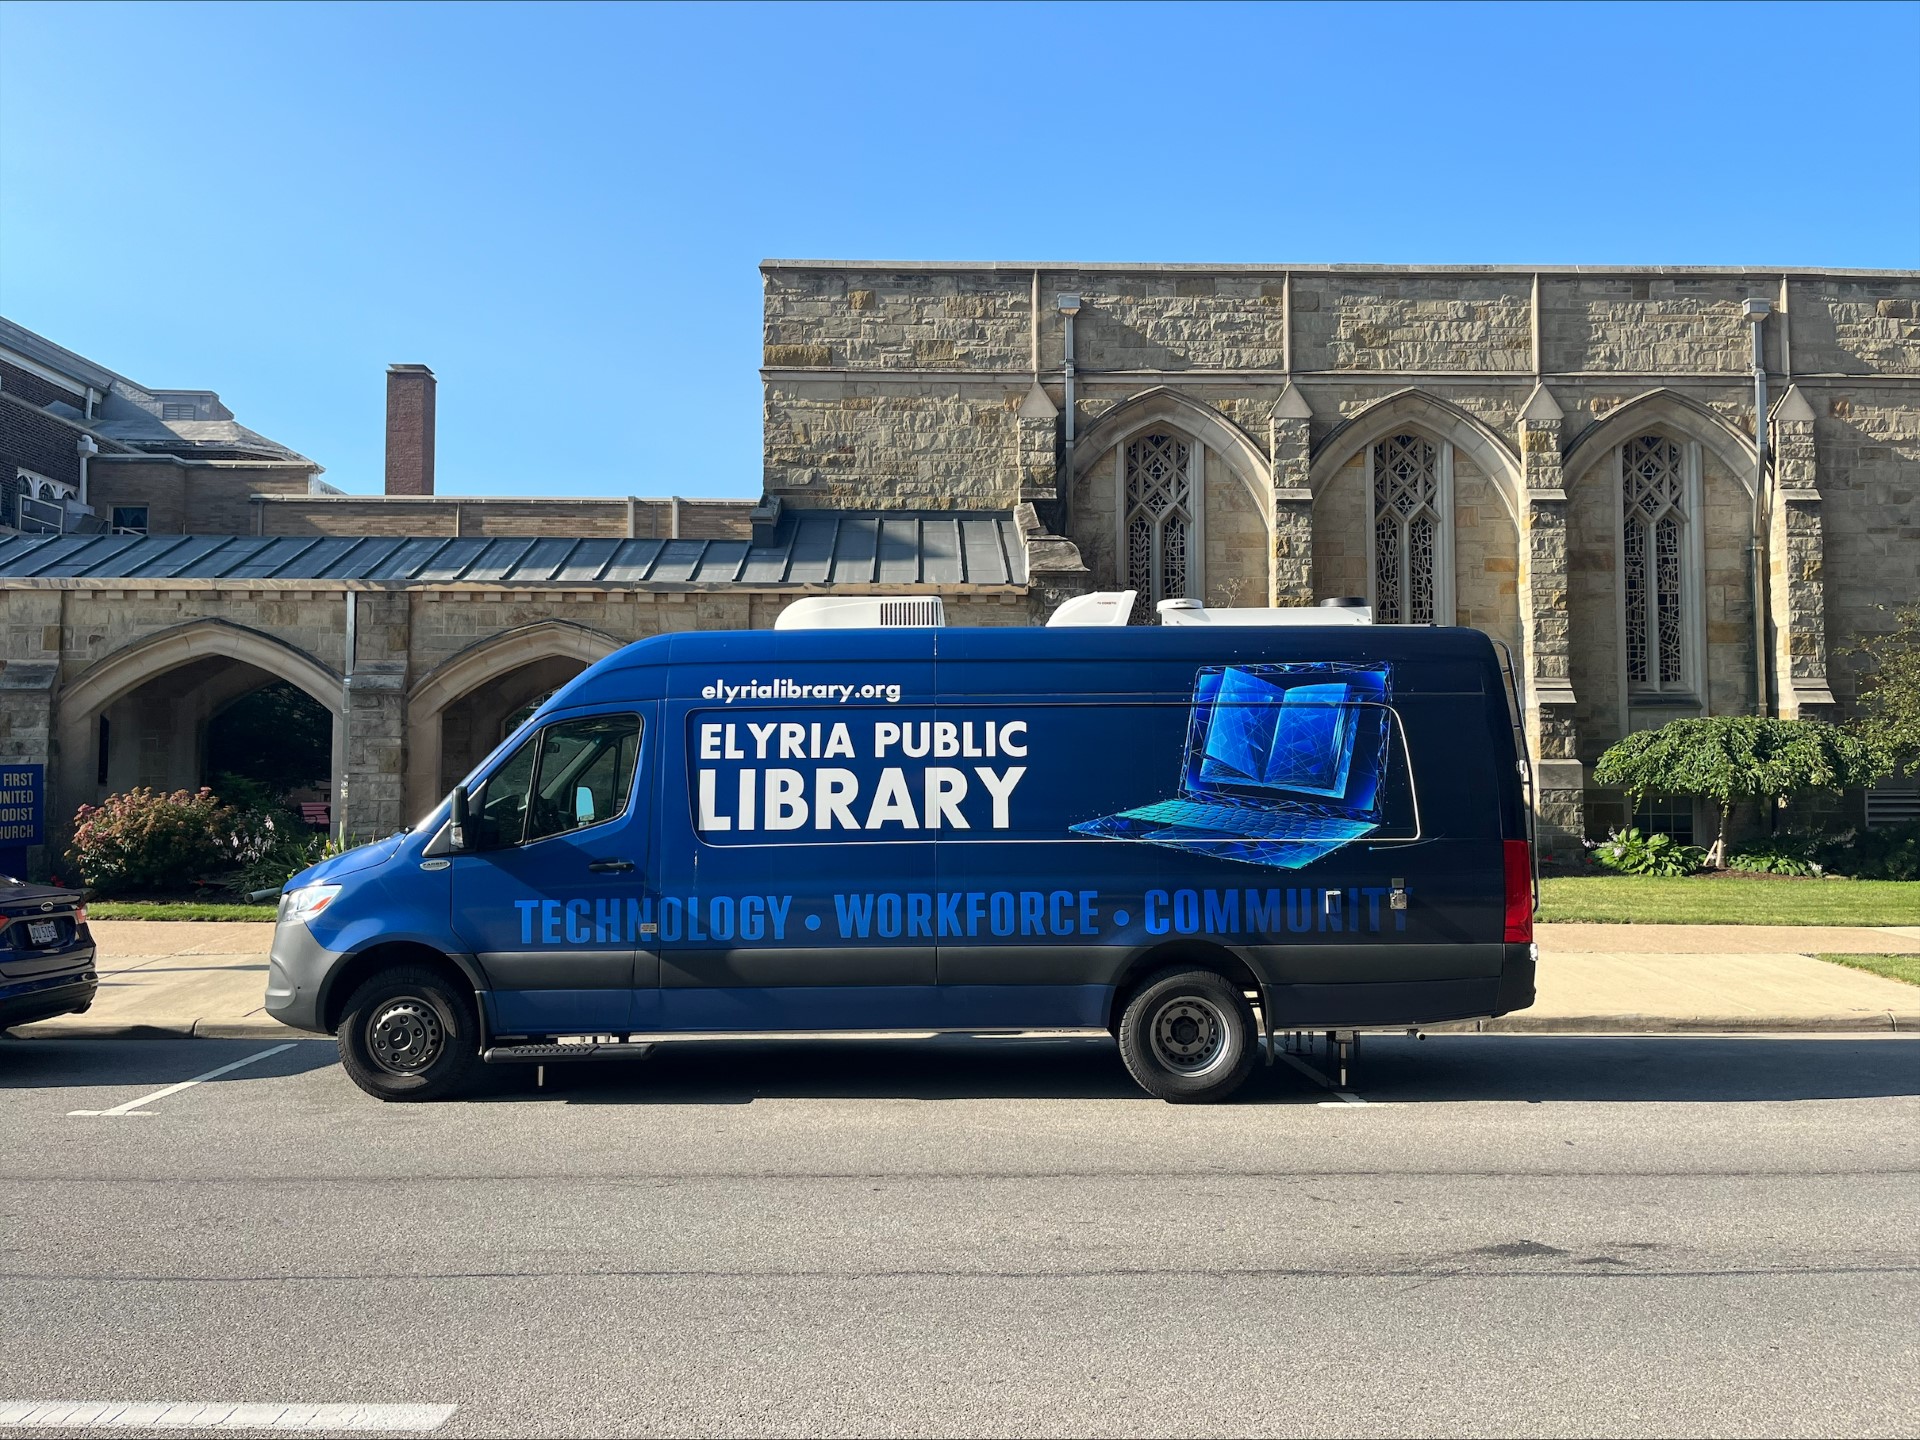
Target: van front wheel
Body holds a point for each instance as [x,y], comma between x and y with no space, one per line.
[410,1034]
[1188,1037]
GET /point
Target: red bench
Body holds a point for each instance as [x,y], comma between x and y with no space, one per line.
[317,813]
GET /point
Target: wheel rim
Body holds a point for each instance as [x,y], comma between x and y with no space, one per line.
[405,1035]
[1189,1035]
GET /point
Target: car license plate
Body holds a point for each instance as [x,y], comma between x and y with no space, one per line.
[43,932]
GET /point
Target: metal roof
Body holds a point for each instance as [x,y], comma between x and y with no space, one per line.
[807,547]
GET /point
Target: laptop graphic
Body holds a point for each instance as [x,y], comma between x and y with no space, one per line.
[1284,764]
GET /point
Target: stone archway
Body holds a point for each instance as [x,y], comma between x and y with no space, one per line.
[1661,409]
[1417,410]
[1232,518]
[1719,640]
[211,662]
[531,659]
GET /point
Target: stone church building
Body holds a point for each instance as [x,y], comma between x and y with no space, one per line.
[1567,459]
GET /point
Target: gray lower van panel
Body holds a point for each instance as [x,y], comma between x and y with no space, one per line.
[1420,1002]
[1336,965]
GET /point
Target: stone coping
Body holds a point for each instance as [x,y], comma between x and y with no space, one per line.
[1139,267]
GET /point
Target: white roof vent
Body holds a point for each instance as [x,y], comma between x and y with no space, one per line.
[1192,612]
[861,612]
[1103,607]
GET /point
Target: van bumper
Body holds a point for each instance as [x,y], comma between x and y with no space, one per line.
[1516,978]
[297,971]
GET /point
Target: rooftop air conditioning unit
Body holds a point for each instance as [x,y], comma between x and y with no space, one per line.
[1103,607]
[1328,612]
[861,612]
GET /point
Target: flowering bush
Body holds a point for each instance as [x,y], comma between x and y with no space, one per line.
[149,840]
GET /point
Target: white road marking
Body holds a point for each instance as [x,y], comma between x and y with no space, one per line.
[132,1107]
[195,1415]
[1341,1097]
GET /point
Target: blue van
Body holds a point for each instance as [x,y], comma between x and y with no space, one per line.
[1187,837]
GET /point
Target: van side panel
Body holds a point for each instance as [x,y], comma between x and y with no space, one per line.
[775,818]
[996,828]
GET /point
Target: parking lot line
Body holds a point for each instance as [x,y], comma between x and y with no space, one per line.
[199,1415]
[1341,1097]
[132,1107]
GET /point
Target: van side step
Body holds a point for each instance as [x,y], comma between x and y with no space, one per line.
[550,1052]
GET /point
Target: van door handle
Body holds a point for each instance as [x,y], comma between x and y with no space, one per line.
[602,867]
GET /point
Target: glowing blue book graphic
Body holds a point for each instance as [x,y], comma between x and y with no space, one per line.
[1284,764]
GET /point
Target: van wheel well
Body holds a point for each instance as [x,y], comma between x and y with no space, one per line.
[1198,955]
[372,961]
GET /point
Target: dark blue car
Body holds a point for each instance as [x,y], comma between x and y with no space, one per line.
[46,953]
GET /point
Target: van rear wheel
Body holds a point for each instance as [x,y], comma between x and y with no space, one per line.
[1188,1037]
[410,1034]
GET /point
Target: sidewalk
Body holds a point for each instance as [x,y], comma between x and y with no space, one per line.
[204,978]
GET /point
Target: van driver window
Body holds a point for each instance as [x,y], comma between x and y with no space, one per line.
[500,810]
[585,773]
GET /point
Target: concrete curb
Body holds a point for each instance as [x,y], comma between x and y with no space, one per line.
[83,1029]
[1887,1023]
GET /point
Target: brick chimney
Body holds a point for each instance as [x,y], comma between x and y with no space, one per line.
[410,391]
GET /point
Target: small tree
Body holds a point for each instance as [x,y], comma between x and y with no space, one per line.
[1890,688]
[1730,758]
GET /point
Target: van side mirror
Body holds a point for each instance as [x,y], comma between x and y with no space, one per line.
[457,831]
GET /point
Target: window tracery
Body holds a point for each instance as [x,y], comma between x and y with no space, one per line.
[1158,520]
[1409,518]
[1653,547]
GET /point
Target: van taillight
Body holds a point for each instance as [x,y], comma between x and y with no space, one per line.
[1517,858]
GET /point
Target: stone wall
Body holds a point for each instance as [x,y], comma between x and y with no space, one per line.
[1340,544]
[887,385]
[1869,481]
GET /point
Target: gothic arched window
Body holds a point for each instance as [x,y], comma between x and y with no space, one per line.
[1161,476]
[1410,499]
[1659,564]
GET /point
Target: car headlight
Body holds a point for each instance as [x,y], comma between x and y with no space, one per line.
[306,902]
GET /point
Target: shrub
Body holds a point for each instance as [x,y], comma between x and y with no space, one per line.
[1779,855]
[1631,853]
[270,847]
[149,840]
[265,839]
[1891,852]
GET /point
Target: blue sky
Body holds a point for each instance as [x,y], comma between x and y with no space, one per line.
[560,208]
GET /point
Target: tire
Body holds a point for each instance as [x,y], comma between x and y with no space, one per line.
[411,1034]
[1188,1037]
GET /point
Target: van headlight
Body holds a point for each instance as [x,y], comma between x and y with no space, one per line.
[306,902]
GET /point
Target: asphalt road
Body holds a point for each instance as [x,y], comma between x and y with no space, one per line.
[1561,1235]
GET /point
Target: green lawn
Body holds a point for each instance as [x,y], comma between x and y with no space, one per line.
[175,910]
[1640,900]
[1894,967]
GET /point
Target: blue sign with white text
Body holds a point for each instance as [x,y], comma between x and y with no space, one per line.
[23,805]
